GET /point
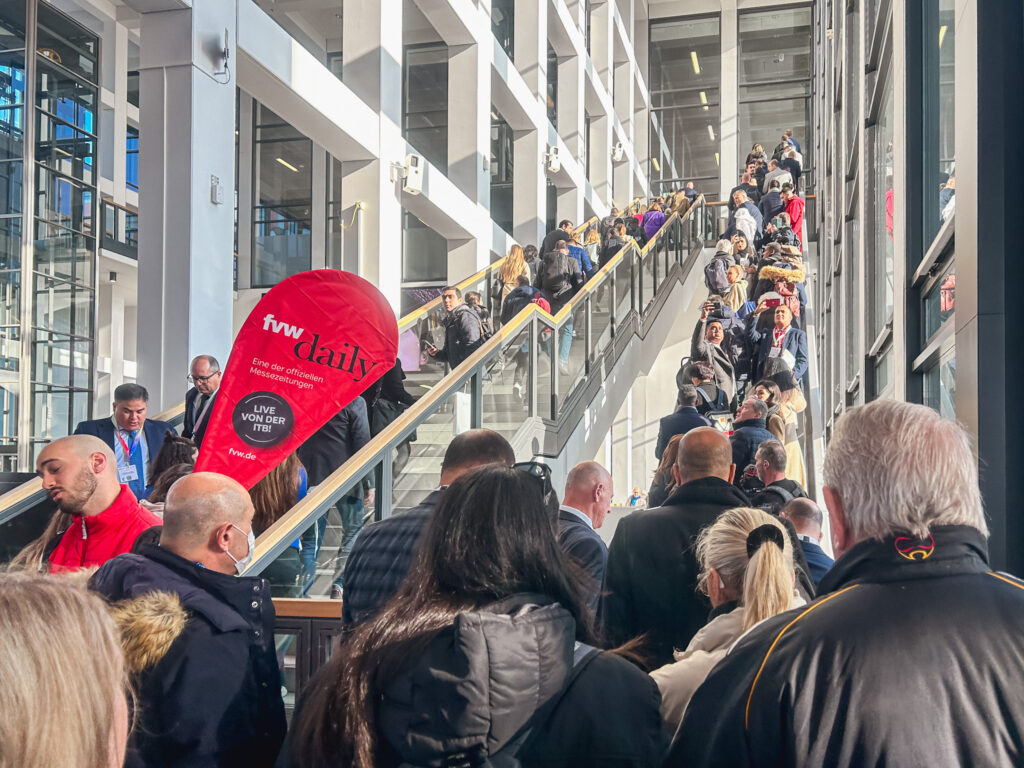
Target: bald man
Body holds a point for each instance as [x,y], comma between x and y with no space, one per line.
[585,505]
[199,637]
[651,581]
[97,518]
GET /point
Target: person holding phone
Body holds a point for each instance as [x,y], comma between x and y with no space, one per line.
[780,347]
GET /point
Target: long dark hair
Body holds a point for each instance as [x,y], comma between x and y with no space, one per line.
[174,450]
[275,494]
[491,537]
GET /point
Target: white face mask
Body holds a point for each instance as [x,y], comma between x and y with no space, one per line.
[241,565]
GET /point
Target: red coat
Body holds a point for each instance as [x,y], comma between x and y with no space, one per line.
[795,209]
[95,539]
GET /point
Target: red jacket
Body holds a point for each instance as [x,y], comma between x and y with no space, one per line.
[94,540]
[795,209]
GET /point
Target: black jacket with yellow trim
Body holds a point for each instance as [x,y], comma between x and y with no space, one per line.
[913,655]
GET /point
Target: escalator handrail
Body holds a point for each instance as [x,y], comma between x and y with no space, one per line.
[284,531]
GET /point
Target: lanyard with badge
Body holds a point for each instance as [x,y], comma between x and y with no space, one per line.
[129,473]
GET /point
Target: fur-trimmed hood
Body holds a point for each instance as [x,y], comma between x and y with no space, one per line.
[149,625]
[781,271]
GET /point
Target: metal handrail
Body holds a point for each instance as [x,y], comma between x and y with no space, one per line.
[279,535]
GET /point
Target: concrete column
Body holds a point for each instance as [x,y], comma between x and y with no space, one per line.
[602,33]
[531,45]
[318,235]
[373,70]
[571,113]
[729,131]
[602,140]
[120,55]
[187,118]
[530,184]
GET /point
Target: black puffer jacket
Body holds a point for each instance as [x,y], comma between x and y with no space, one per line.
[480,682]
[912,656]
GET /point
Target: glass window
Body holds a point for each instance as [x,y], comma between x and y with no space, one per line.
[940,385]
[424,252]
[12,25]
[883,373]
[684,77]
[501,171]
[10,186]
[10,246]
[283,195]
[65,42]
[133,88]
[503,25]
[851,278]
[774,77]
[66,97]
[426,102]
[552,96]
[940,302]
[883,207]
[939,134]
[131,171]
[63,149]
[63,254]
[853,76]
[336,225]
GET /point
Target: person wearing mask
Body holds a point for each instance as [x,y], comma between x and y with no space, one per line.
[97,518]
[782,347]
[476,660]
[749,431]
[746,570]
[795,208]
[205,376]
[770,466]
[563,233]
[63,677]
[651,582]
[133,438]
[806,519]
[585,505]
[463,329]
[325,451]
[383,554]
[207,681]
[681,421]
[911,615]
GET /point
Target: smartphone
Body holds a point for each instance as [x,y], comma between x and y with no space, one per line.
[772,303]
[777,222]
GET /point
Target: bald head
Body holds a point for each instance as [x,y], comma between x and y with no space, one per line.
[588,488]
[805,516]
[79,473]
[198,505]
[704,452]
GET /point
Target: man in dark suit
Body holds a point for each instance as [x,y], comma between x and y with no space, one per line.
[382,553]
[205,376]
[585,504]
[134,439]
[682,421]
[651,579]
[806,519]
[783,342]
[749,431]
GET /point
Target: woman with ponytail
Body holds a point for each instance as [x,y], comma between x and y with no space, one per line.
[746,570]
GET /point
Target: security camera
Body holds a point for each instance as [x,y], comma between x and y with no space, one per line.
[618,152]
[553,163]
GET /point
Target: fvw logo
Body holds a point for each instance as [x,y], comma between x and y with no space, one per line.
[270,324]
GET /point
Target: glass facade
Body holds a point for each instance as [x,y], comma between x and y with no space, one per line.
[938,130]
[503,16]
[883,206]
[775,80]
[685,80]
[282,200]
[501,163]
[425,118]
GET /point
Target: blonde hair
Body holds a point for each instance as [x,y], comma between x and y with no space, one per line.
[57,704]
[513,266]
[31,557]
[592,236]
[764,582]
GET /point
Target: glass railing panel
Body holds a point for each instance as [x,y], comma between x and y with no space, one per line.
[505,386]
[572,350]
[647,279]
[623,277]
[601,318]
[416,464]
[546,369]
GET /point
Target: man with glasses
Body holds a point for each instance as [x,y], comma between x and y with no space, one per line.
[204,376]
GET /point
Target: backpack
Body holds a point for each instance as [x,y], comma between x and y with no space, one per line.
[541,302]
[486,329]
[782,498]
[715,277]
[716,411]
[508,755]
[554,274]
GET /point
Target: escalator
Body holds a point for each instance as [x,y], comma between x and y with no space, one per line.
[602,326]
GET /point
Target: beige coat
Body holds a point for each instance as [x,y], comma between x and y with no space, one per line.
[678,681]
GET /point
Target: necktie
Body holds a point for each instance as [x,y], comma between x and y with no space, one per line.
[138,485]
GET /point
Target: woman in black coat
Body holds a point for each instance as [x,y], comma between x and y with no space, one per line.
[485,627]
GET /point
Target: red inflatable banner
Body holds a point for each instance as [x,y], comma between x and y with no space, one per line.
[311,345]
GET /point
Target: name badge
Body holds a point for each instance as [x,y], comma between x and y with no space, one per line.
[127,474]
[774,351]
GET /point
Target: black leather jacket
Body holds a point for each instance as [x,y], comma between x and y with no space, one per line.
[913,655]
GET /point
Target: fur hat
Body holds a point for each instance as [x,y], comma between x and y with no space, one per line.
[782,271]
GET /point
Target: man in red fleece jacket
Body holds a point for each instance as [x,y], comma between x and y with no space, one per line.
[97,518]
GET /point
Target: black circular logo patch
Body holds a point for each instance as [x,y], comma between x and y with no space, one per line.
[262,419]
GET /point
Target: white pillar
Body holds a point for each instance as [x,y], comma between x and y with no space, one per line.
[529,181]
[187,139]
[373,70]
[728,133]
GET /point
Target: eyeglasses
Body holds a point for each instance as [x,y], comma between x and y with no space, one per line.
[535,469]
[201,379]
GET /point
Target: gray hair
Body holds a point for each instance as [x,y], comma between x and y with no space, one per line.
[900,468]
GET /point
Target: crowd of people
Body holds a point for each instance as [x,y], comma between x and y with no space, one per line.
[492,626]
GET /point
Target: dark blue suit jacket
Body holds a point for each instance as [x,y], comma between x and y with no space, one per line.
[104,430]
[678,423]
[818,562]
[584,545]
[795,342]
[188,429]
